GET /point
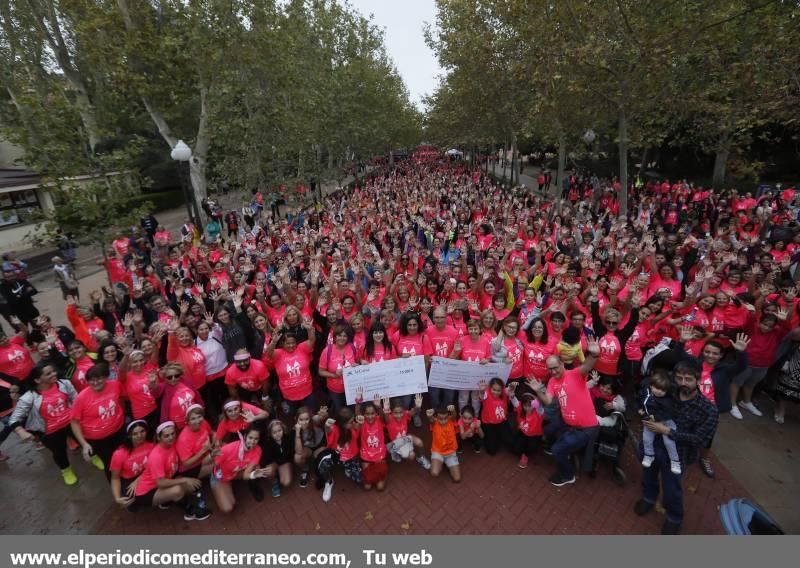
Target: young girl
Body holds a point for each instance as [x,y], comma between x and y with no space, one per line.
[373,446]
[444,446]
[236,460]
[528,435]
[128,462]
[238,416]
[278,456]
[309,440]
[494,414]
[401,445]
[469,428]
[342,440]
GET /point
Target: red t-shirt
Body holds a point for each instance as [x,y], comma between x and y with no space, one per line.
[398,428]
[55,409]
[574,399]
[130,463]
[373,448]
[530,424]
[347,452]
[162,463]
[100,414]
[610,352]
[333,360]
[535,357]
[251,380]
[441,340]
[294,376]
[493,409]
[412,345]
[15,359]
[379,354]
[190,442]
[231,461]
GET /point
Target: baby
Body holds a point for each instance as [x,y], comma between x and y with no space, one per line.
[657,403]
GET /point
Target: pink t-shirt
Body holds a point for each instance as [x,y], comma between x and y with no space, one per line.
[610,352]
[79,376]
[574,399]
[190,442]
[379,354]
[162,463]
[412,345]
[536,355]
[294,376]
[493,409]
[130,463]
[441,340]
[347,452]
[231,461]
[475,351]
[137,389]
[182,399]
[15,359]
[227,426]
[706,384]
[332,360]
[55,410]
[250,380]
[100,414]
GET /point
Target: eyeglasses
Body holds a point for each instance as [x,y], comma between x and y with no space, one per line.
[173,376]
[612,322]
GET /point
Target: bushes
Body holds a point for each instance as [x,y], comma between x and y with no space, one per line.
[161,200]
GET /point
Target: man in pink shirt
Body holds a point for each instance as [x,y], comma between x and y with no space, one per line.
[575,428]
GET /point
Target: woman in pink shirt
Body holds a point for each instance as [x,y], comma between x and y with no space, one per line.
[128,462]
[475,348]
[292,365]
[332,362]
[140,378]
[98,417]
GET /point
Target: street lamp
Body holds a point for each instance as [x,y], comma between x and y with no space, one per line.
[181,153]
[589,136]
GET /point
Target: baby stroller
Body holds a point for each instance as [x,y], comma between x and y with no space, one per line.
[610,446]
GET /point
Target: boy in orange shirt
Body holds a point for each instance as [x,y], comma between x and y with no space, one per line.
[444,445]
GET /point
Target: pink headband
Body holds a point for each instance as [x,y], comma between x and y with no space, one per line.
[163,426]
[241,357]
[231,404]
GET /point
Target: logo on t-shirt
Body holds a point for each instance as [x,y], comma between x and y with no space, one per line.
[441,349]
[56,409]
[372,441]
[108,413]
[409,351]
[608,346]
[293,369]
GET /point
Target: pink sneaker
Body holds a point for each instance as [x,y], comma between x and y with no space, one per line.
[523,461]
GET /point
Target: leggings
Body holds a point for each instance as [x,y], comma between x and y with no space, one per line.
[495,435]
[526,445]
[214,393]
[56,442]
[105,447]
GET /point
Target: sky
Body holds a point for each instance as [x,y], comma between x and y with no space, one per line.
[402,22]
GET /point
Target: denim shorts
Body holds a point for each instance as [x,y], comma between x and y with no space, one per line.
[449,460]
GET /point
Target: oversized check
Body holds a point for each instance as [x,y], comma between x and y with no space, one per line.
[397,377]
[464,375]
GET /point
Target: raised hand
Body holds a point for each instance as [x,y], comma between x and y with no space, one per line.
[741,343]
[594,380]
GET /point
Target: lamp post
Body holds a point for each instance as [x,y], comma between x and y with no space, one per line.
[181,153]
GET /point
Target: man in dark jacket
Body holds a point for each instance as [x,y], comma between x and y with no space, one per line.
[19,293]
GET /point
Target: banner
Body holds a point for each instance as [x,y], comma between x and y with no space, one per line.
[397,377]
[464,375]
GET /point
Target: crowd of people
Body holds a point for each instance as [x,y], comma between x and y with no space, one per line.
[216,356]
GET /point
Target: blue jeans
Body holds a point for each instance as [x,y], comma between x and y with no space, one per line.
[337,400]
[441,398]
[670,484]
[310,401]
[570,442]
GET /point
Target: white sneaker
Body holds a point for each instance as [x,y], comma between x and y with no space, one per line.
[736,413]
[751,408]
[327,491]
[647,461]
[424,462]
[675,467]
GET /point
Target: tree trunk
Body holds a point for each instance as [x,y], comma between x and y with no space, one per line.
[623,164]
[721,162]
[562,162]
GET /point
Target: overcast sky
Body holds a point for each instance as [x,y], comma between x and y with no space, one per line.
[402,22]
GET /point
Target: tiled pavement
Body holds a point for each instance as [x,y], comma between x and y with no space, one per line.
[495,497]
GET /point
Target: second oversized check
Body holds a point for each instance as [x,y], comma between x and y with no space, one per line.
[397,377]
[464,375]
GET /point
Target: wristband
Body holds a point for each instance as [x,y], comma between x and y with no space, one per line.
[253,474]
